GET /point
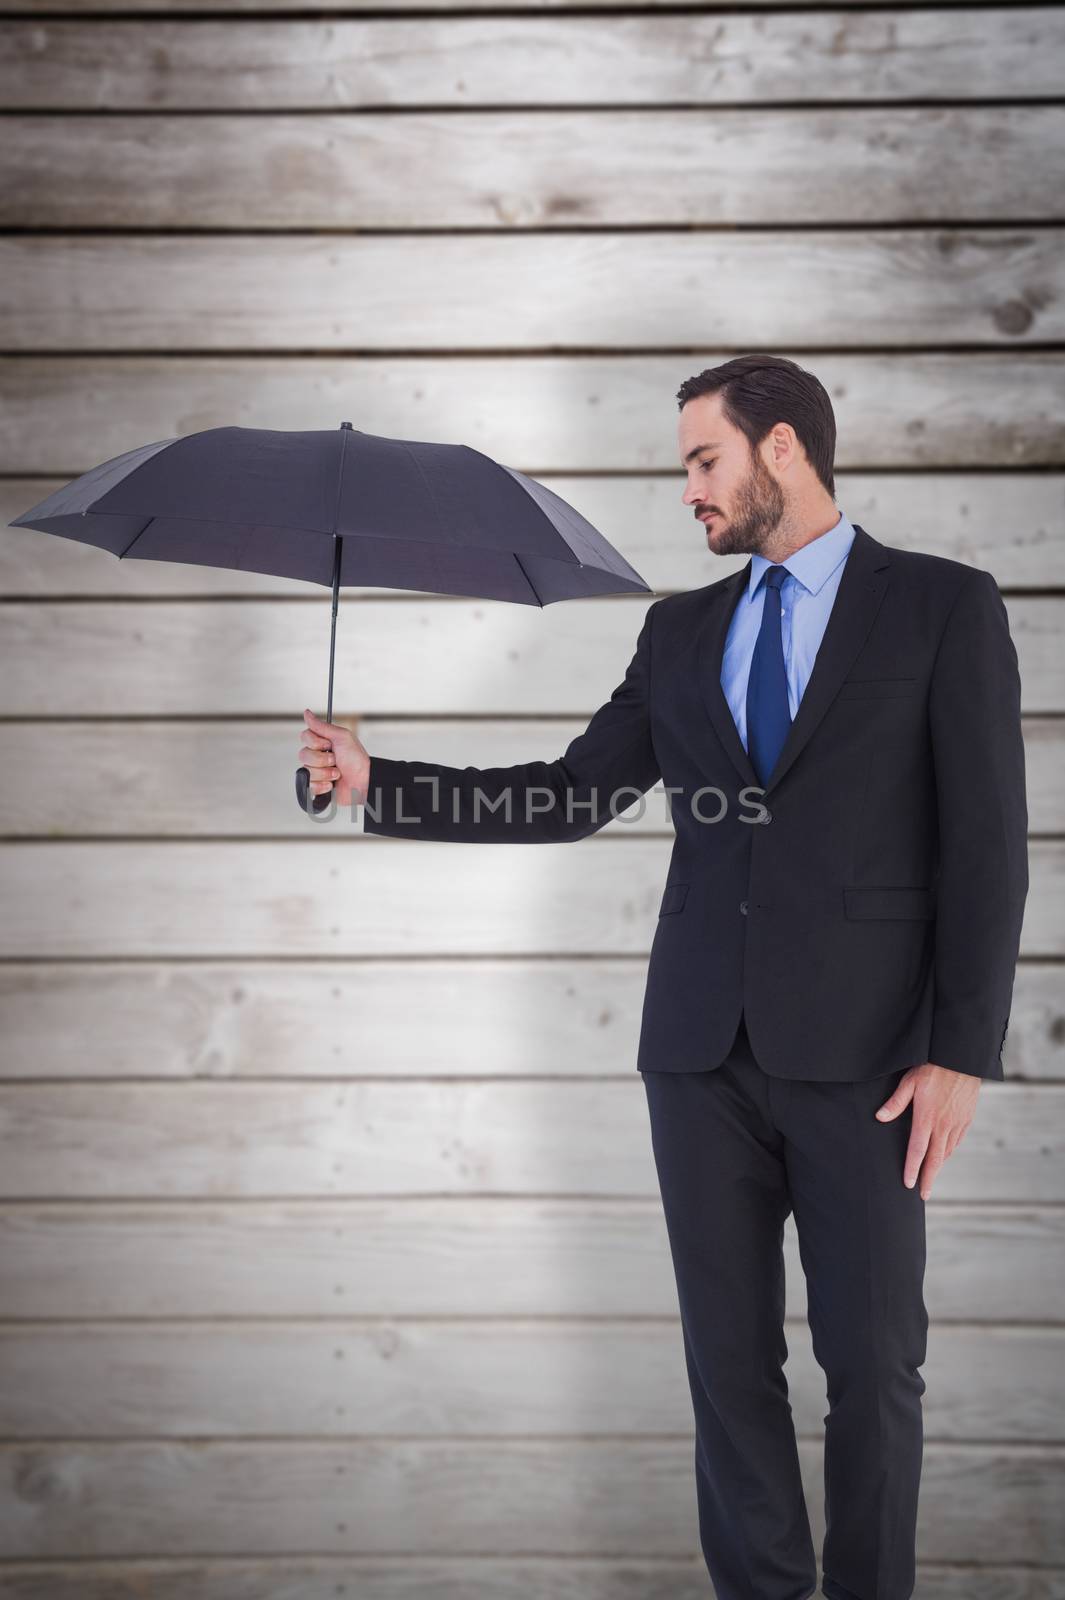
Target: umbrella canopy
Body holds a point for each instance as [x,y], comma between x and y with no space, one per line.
[439,517]
[339,507]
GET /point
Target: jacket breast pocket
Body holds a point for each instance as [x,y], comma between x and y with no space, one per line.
[673,898]
[888,901]
[876,688]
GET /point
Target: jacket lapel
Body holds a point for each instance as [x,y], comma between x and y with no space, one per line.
[858,599]
[709,656]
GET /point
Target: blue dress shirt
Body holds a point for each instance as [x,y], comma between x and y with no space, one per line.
[806,597]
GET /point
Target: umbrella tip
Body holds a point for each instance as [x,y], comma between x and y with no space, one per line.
[345,424]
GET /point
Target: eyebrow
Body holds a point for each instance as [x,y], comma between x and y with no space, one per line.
[699,448]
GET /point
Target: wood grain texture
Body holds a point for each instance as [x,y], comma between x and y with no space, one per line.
[412,1577]
[607,290]
[529,169]
[152,8]
[1008,53]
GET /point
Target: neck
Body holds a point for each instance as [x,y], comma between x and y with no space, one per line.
[798,527]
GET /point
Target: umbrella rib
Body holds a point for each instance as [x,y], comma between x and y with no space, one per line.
[136,536]
[528,580]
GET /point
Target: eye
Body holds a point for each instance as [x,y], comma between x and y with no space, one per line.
[705,464]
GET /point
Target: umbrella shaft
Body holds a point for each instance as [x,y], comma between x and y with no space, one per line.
[333,628]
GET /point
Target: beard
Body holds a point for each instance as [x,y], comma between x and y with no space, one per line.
[758,510]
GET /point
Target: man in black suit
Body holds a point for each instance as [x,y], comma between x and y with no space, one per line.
[838,727]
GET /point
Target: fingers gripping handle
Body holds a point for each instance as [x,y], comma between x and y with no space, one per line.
[319,802]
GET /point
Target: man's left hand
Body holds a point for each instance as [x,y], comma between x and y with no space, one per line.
[944,1102]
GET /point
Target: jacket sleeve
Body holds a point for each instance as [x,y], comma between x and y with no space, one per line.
[978,752]
[533,802]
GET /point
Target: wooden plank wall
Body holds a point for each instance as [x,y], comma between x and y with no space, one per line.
[331,1254]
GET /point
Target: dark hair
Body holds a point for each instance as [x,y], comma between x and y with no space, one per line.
[759,391]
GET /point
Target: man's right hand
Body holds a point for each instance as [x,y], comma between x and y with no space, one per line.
[335,758]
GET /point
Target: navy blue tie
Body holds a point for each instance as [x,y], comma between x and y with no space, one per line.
[768,717]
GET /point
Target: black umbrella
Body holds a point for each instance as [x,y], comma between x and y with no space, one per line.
[339,507]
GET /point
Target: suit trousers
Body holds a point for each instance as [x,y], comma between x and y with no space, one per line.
[736,1151]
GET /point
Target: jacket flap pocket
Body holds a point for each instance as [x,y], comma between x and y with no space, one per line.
[889,902]
[876,688]
[673,898]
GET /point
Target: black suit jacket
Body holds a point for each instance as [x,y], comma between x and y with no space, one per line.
[867,916]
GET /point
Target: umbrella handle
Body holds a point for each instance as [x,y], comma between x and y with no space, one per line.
[320,802]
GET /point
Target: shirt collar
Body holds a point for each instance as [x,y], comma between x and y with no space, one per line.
[813,563]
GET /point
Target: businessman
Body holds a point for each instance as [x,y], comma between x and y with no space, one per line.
[838,728]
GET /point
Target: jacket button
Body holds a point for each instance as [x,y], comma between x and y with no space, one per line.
[743,907]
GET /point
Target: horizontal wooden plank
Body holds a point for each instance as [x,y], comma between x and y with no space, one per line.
[548,291]
[455,1578]
[64,414]
[229,898]
[265,7]
[156,758]
[1044,753]
[533,169]
[240,658]
[1011,523]
[453,1257]
[1009,53]
[444,1137]
[202,1020]
[499,1378]
[296,899]
[978,1502]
